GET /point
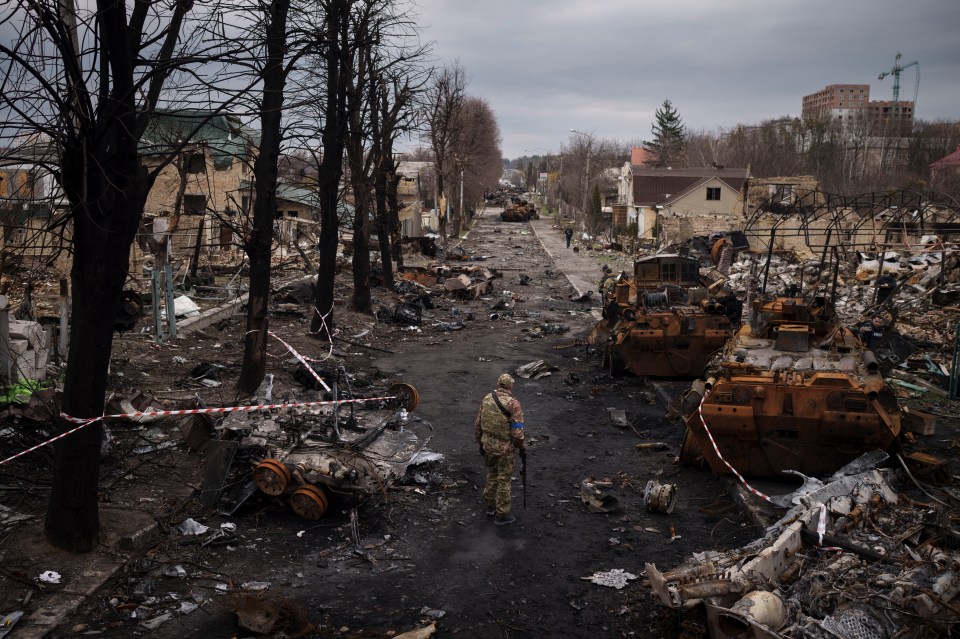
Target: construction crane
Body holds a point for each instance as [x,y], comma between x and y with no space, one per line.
[895,72]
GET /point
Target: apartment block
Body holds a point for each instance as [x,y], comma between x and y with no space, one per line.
[848,102]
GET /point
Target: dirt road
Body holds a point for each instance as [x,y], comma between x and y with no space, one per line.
[427,552]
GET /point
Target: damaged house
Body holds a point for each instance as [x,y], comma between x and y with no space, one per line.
[674,205]
[195,202]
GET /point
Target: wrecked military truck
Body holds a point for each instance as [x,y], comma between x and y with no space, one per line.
[664,322]
[793,391]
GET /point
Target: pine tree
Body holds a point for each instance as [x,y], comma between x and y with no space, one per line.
[669,137]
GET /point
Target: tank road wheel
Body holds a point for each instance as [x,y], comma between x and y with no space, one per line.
[404,396]
[271,477]
[690,454]
[309,501]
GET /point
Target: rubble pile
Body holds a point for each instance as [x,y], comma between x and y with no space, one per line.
[919,307]
[919,275]
[856,557]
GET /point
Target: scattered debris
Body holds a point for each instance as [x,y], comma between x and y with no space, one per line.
[595,498]
[536,369]
[616,578]
[190,527]
[659,497]
[49,577]
[419,633]
[852,559]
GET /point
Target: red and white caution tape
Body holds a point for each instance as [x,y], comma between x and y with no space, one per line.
[86,421]
[49,441]
[717,451]
[301,359]
[821,522]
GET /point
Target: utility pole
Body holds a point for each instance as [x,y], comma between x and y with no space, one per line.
[586,173]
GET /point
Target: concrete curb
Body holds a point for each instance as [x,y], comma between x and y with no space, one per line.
[211,316]
[553,256]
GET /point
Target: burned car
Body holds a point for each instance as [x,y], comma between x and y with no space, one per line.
[664,322]
[793,391]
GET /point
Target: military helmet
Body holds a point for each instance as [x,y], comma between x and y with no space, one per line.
[505,381]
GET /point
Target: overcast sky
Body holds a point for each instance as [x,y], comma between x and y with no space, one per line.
[604,66]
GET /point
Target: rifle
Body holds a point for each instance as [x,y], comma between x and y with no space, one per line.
[523,474]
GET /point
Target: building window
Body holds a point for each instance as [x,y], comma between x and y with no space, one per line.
[713,193]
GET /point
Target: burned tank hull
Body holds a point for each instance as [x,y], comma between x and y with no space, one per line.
[662,322]
[520,212]
[675,343]
[797,397]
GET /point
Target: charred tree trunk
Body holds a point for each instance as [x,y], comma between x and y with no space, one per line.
[383,225]
[361,256]
[393,207]
[331,169]
[260,240]
[107,188]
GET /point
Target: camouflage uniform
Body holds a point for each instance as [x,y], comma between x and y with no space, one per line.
[610,285]
[499,436]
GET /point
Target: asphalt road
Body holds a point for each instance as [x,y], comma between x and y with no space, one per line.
[426,552]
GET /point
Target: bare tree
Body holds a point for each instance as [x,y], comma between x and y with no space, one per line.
[336,59]
[85,84]
[477,160]
[259,242]
[395,91]
[443,103]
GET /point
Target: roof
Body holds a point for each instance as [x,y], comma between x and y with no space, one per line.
[951,160]
[410,169]
[656,186]
[639,155]
[298,194]
[222,133]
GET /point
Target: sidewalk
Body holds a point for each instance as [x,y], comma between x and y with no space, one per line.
[582,269]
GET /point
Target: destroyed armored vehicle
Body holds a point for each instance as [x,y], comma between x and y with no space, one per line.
[313,451]
[663,322]
[793,391]
[520,212]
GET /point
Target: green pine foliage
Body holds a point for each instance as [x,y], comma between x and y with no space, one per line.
[669,137]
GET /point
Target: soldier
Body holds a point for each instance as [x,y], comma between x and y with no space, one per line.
[498,429]
[607,274]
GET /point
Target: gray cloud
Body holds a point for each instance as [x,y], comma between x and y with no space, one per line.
[604,66]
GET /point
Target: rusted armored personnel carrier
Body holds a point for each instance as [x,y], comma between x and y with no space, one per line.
[663,322]
[520,212]
[792,391]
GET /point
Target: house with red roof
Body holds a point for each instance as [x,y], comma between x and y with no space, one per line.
[946,165]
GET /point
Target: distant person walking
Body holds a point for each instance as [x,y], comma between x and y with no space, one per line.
[568,232]
[498,429]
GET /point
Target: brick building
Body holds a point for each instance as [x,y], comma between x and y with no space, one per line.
[849,102]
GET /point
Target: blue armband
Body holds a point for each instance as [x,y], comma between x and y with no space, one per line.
[517,425]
